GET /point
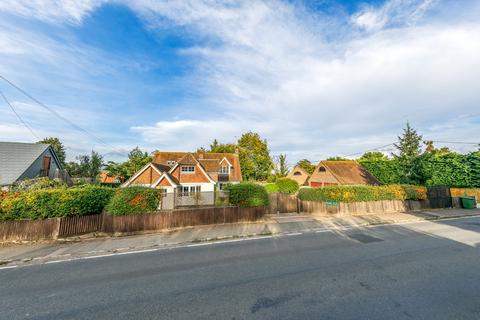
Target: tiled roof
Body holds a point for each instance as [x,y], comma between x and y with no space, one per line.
[349,172]
[209,161]
[16,158]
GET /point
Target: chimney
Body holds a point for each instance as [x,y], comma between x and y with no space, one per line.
[200,155]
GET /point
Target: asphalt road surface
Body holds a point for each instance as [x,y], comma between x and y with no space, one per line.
[424,270]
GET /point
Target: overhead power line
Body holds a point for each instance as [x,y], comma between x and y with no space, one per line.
[370,150]
[19,116]
[77,127]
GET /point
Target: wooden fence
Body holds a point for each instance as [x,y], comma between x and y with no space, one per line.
[54,228]
[286,203]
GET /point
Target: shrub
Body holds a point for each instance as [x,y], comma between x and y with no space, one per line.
[134,200]
[247,194]
[50,203]
[38,184]
[363,193]
[271,187]
[415,192]
[287,185]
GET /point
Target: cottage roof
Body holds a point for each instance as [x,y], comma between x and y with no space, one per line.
[16,158]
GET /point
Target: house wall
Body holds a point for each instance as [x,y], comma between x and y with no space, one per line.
[147,177]
[197,177]
[36,167]
[300,179]
[322,178]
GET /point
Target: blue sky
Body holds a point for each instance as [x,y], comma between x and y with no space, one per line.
[315,77]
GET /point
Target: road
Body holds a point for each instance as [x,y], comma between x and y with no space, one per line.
[422,270]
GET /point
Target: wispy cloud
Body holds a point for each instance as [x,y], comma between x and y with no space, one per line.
[314,84]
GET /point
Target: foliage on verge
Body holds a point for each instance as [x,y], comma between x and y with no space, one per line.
[363,193]
[50,203]
[134,200]
[247,194]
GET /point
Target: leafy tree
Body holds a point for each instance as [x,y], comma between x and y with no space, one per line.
[137,159]
[281,165]
[254,157]
[473,160]
[373,156]
[409,149]
[217,147]
[58,147]
[336,158]
[430,148]
[86,165]
[306,165]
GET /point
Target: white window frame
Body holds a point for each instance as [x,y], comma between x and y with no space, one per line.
[223,171]
[185,191]
[184,171]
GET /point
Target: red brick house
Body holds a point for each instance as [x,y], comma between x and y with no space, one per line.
[340,172]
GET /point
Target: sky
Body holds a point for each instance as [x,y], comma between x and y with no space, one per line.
[316,78]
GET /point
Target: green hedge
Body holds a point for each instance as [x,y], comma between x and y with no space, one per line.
[247,194]
[134,200]
[271,187]
[363,193]
[287,185]
[42,204]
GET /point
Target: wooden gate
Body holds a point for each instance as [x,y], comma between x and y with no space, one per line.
[439,197]
[283,203]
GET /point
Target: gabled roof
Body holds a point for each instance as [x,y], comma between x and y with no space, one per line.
[209,161]
[349,172]
[16,158]
[301,179]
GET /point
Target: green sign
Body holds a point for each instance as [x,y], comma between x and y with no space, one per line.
[331,203]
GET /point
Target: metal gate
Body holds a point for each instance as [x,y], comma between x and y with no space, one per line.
[439,197]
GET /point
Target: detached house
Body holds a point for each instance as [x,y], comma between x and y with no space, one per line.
[340,172]
[185,174]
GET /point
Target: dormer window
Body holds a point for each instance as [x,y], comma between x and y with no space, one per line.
[188,169]
[297,173]
[322,169]
[171,162]
[224,169]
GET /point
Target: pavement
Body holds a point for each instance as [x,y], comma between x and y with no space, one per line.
[277,225]
[426,269]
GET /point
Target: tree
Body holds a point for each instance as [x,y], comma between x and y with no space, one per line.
[87,166]
[430,148]
[373,156]
[473,160]
[137,159]
[337,158]
[306,165]
[254,157]
[58,147]
[217,147]
[409,149]
[281,166]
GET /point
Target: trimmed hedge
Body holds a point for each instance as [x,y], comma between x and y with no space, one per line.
[50,203]
[287,185]
[247,194]
[134,200]
[363,193]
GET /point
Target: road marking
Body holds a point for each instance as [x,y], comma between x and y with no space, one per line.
[8,267]
[231,241]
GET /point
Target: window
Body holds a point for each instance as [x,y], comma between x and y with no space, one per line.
[321,169]
[224,170]
[188,169]
[171,162]
[184,191]
[297,173]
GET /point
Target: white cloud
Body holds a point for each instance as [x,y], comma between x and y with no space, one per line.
[314,85]
[70,11]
